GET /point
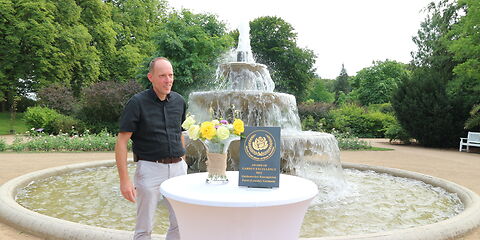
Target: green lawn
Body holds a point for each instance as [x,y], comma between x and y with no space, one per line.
[6,124]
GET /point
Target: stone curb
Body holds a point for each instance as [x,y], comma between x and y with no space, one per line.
[44,226]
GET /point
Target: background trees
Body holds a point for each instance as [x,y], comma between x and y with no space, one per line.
[194,44]
[376,83]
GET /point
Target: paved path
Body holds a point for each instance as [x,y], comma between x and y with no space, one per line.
[460,167]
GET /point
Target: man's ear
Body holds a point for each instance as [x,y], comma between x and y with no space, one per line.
[149,76]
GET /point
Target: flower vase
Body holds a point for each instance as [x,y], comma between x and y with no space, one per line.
[217,168]
[217,160]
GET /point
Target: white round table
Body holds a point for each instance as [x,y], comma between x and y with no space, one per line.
[228,211]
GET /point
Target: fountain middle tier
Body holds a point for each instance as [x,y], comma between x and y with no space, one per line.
[297,149]
[255,108]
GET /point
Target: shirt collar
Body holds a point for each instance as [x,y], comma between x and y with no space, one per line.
[155,97]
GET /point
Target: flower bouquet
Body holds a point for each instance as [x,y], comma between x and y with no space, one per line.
[216,136]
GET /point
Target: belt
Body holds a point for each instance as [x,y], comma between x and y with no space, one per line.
[167,160]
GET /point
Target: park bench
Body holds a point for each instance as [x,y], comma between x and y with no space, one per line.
[472,140]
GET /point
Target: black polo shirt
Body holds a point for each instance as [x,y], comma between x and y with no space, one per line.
[156,124]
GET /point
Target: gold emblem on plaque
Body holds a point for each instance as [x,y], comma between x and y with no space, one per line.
[260,145]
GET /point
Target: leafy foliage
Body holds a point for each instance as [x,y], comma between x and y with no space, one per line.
[193,43]
[50,121]
[396,132]
[57,97]
[465,47]
[341,82]
[424,110]
[474,121]
[359,122]
[3,145]
[103,104]
[65,142]
[273,41]
[377,83]
[319,92]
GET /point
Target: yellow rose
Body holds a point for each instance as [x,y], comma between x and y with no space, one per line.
[223,133]
[189,121]
[194,132]
[238,127]
[207,130]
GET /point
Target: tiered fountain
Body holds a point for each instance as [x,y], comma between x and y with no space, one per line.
[246,90]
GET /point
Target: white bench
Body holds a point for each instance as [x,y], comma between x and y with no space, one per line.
[473,139]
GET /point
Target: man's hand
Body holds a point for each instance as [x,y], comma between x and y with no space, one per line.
[128,191]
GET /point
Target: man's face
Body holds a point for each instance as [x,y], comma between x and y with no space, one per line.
[161,78]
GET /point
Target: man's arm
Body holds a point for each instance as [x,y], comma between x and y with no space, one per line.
[121,153]
[183,144]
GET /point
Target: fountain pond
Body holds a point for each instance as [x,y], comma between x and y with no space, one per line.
[367,202]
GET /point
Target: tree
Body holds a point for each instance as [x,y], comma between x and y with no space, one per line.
[135,23]
[194,44]
[79,61]
[274,44]
[341,82]
[319,92]
[465,47]
[9,50]
[430,40]
[376,83]
[96,16]
[474,121]
[424,110]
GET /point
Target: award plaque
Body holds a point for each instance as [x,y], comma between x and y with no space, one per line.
[260,157]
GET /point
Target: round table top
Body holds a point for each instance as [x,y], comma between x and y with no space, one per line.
[193,189]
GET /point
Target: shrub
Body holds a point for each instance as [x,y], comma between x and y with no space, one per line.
[40,117]
[396,132]
[425,111]
[3,145]
[57,97]
[348,142]
[63,142]
[103,104]
[66,124]
[359,122]
[314,115]
[51,121]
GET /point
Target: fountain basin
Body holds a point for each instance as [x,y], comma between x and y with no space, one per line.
[296,146]
[48,227]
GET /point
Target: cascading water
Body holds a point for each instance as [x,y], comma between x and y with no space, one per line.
[246,90]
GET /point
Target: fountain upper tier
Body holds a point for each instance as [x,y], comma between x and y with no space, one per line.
[255,108]
[242,76]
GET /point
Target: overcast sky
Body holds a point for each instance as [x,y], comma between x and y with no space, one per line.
[352,32]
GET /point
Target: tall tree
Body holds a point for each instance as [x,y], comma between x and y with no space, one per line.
[432,49]
[465,47]
[376,83]
[194,44]
[135,22]
[9,50]
[341,82]
[79,58]
[424,110]
[97,17]
[273,42]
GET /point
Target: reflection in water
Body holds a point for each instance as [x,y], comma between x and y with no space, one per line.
[367,202]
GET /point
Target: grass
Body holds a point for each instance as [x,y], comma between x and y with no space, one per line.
[18,126]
